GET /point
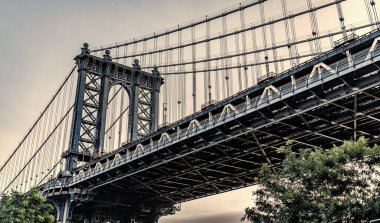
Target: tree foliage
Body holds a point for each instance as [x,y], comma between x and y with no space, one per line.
[25,208]
[337,185]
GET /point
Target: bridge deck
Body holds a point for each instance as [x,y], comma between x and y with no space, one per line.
[224,149]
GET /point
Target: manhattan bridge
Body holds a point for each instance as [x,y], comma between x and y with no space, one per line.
[194,110]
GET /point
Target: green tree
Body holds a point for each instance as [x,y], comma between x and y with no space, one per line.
[337,185]
[25,208]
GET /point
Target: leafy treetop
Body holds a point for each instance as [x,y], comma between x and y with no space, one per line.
[337,185]
[25,208]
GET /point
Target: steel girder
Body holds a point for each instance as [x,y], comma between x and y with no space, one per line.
[221,157]
[232,163]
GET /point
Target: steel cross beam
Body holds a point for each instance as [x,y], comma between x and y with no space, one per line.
[355,43]
[207,168]
[301,112]
[225,152]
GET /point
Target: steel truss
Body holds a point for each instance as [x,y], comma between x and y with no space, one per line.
[223,147]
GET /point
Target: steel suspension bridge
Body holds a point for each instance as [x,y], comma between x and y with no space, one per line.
[138,127]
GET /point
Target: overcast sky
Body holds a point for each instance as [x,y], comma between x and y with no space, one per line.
[38,41]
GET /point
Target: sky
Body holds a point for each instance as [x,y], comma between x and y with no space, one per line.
[38,41]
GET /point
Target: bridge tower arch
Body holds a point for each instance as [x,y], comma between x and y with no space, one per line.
[96,76]
[117,117]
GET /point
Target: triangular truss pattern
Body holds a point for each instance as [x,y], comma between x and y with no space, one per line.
[227,110]
[116,159]
[139,150]
[193,125]
[374,45]
[319,69]
[164,137]
[268,93]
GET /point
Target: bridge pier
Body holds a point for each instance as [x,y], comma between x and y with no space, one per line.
[63,209]
[70,210]
[113,215]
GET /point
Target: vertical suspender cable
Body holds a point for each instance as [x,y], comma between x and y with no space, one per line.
[194,53]
[294,37]
[183,85]
[222,61]
[311,46]
[274,51]
[69,102]
[56,142]
[179,76]
[143,57]
[166,118]
[36,158]
[237,48]
[155,50]
[217,90]
[125,54]
[30,152]
[184,107]
[369,13]
[331,40]
[287,31]
[341,18]
[121,109]
[117,54]
[172,89]
[225,52]
[256,58]
[14,166]
[53,141]
[264,35]
[18,167]
[244,45]
[314,27]
[163,95]
[27,155]
[205,76]
[374,13]
[150,56]
[121,117]
[134,49]
[24,173]
[112,107]
[208,63]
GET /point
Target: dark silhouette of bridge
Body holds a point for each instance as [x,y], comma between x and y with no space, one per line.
[103,152]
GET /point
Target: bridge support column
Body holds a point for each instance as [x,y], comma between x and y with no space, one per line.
[155,99]
[103,214]
[63,208]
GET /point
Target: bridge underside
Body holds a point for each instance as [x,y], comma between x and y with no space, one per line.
[230,156]
[225,151]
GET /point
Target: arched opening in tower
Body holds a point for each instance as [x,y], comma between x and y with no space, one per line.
[116,130]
